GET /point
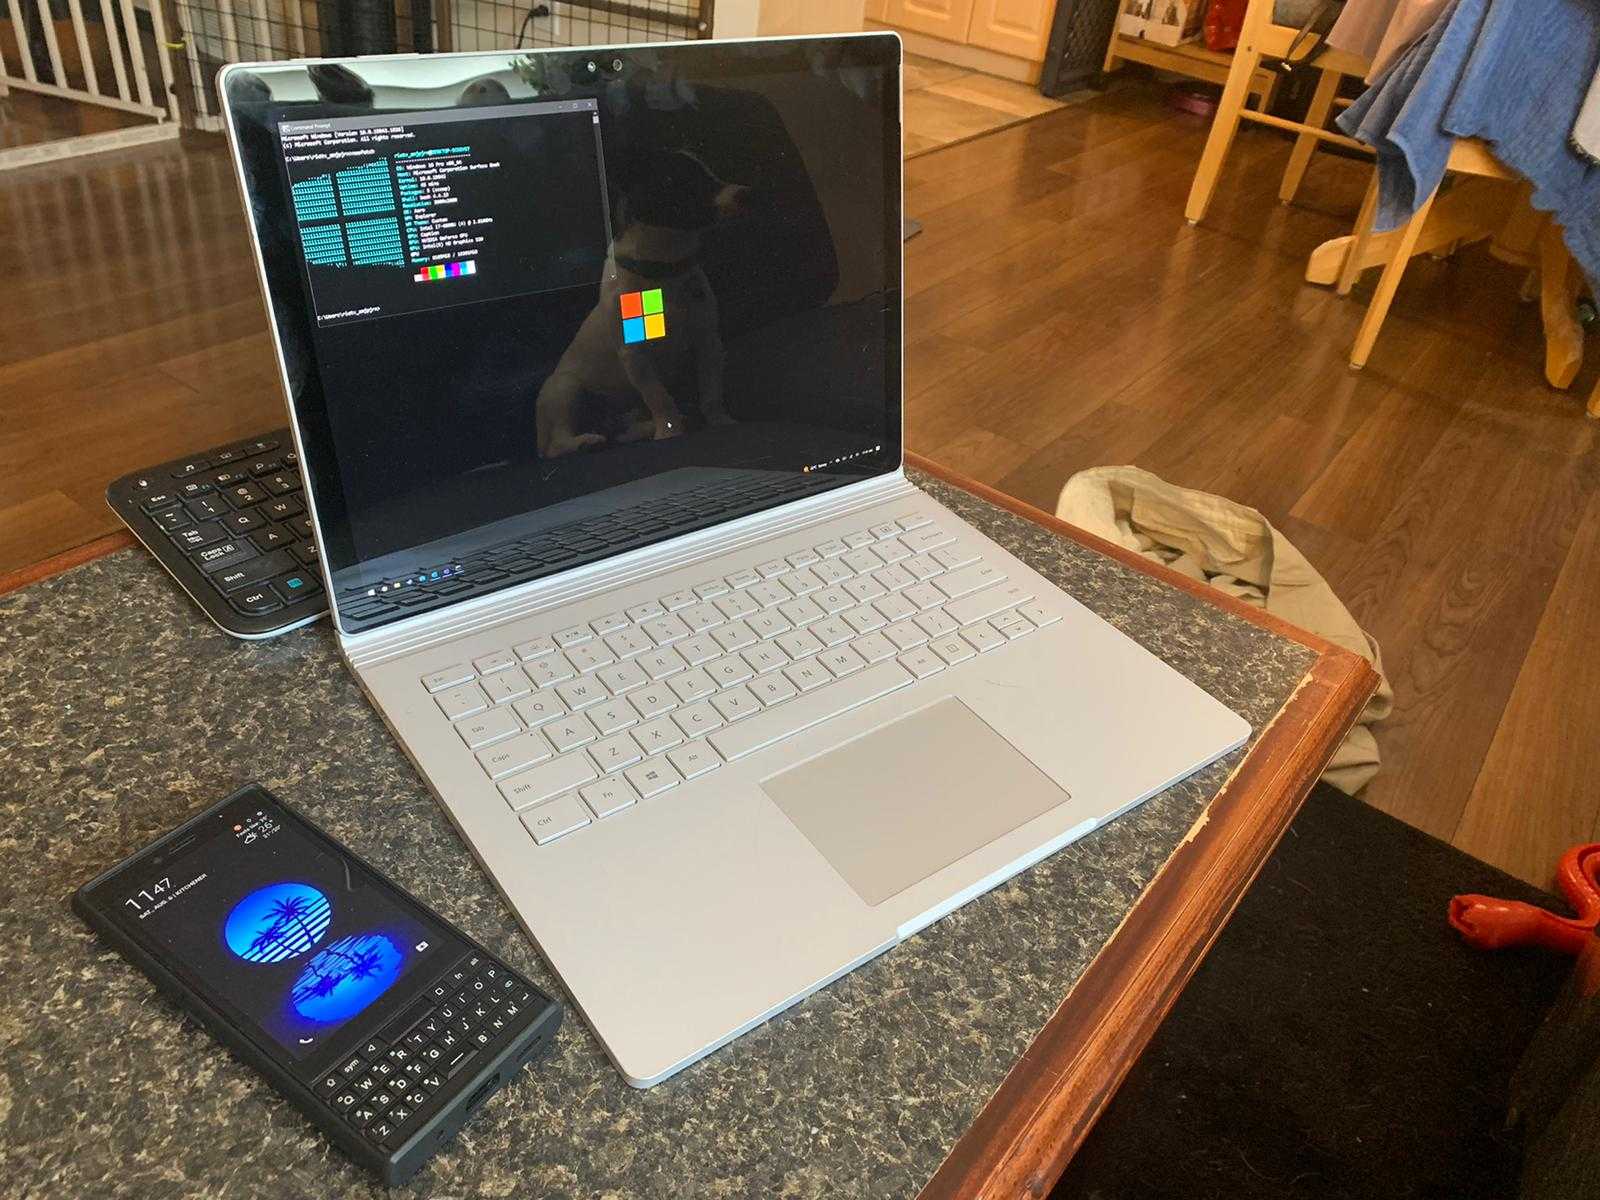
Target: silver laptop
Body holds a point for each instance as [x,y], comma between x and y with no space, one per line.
[593,361]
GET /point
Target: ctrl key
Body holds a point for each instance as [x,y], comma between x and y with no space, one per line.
[554,818]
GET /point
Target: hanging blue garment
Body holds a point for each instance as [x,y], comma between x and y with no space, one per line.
[1511,72]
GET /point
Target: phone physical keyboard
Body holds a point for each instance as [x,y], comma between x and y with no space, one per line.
[230,527]
[581,723]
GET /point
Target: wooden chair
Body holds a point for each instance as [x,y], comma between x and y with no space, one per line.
[1261,38]
[1489,202]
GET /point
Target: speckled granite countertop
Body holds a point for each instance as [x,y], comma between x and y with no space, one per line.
[122,712]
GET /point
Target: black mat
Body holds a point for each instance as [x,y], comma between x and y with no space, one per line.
[1339,1041]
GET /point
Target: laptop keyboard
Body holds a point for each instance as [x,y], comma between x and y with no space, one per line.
[580,723]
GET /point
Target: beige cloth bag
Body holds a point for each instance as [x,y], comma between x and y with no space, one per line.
[1237,551]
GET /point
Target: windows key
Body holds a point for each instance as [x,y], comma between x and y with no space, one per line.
[297,584]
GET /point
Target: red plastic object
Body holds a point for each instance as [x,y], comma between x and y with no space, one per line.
[1224,22]
[1491,924]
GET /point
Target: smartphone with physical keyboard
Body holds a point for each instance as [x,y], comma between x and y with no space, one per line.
[372,1014]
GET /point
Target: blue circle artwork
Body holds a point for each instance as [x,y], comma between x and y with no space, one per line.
[279,921]
[346,977]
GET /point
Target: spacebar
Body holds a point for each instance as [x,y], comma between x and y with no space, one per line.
[840,696]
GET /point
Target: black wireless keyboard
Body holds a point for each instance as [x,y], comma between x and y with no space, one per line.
[230,527]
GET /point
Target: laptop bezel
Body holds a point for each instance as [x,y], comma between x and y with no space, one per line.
[314,444]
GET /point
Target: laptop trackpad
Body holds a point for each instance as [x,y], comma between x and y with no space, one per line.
[897,804]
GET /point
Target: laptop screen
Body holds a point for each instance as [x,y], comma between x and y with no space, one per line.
[539,309]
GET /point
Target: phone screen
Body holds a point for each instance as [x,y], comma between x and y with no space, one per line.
[273,924]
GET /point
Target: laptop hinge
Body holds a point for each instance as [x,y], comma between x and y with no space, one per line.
[470,616]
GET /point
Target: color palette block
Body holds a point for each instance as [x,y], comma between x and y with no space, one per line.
[643,316]
[453,270]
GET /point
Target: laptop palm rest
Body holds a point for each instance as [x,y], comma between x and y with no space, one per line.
[908,799]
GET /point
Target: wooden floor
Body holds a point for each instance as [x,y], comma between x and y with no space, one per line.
[1060,315]
[945,104]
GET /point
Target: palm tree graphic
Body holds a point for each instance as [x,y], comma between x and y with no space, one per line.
[348,959]
[287,931]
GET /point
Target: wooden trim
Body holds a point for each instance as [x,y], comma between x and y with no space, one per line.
[1039,1116]
[973,58]
[10,581]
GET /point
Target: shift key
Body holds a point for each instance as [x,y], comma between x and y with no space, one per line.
[253,570]
[551,779]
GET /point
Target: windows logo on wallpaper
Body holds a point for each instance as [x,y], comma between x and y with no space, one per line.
[642,317]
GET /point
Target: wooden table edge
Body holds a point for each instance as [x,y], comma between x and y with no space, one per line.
[1028,1131]
[109,543]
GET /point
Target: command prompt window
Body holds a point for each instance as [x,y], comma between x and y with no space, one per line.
[401,213]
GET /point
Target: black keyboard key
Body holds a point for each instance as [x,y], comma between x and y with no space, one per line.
[253,570]
[264,466]
[283,507]
[208,508]
[362,1115]
[381,1129]
[301,525]
[352,1066]
[153,501]
[196,536]
[223,457]
[223,555]
[306,552]
[260,446]
[282,483]
[272,538]
[432,1082]
[189,468]
[256,601]
[399,1114]
[244,521]
[346,1100]
[245,495]
[194,488]
[172,518]
[228,477]
[331,1083]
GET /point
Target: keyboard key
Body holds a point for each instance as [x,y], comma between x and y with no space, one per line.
[736,604]
[906,634]
[935,623]
[762,730]
[555,819]
[801,611]
[559,775]
[208,508]
[986,603]
[656,736]
[773,689]
[518,754]
[729,670]
[968,579]
[862,561]
[256,601]
[540,707]
[545,672]
[281,508]
[245,495]
[802,582]
[894,578]
[223,555]
[698,649]
[798,644]
[925,539]
[807,674]
[699,617]
[769,624]
[923,568]
[772,567]
[831,548]
[647,610]
[609,796]
[653,778]
[735,635]
[533,648]
[891,551]
[612,716]
[769,594]
[874,647]
[735,703]
[886,529]
[952,649]
[673,601]
[272,538]
[832,631]
[572,635]
[710,588]
[691,686]
[922,662]
[252,570]
[196,536]
[500,660]
[463,701]
[765,658]
[841,660]
[492,726]
[912,521]
[609,623]
[506,686]
[625,643]
[804,558]
[569,732]
[580,693]
[653,700]
[864,619]
[244,521]
[658,664]
[172,519]
[697,718]
[858,539]
[666,630]
[622,678]
[894,608]
[1039,615]
[1012,625]
[982,637]
[590,656]
[614,753]
[694,759]
[447,677]
[741,579]
[831,574]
